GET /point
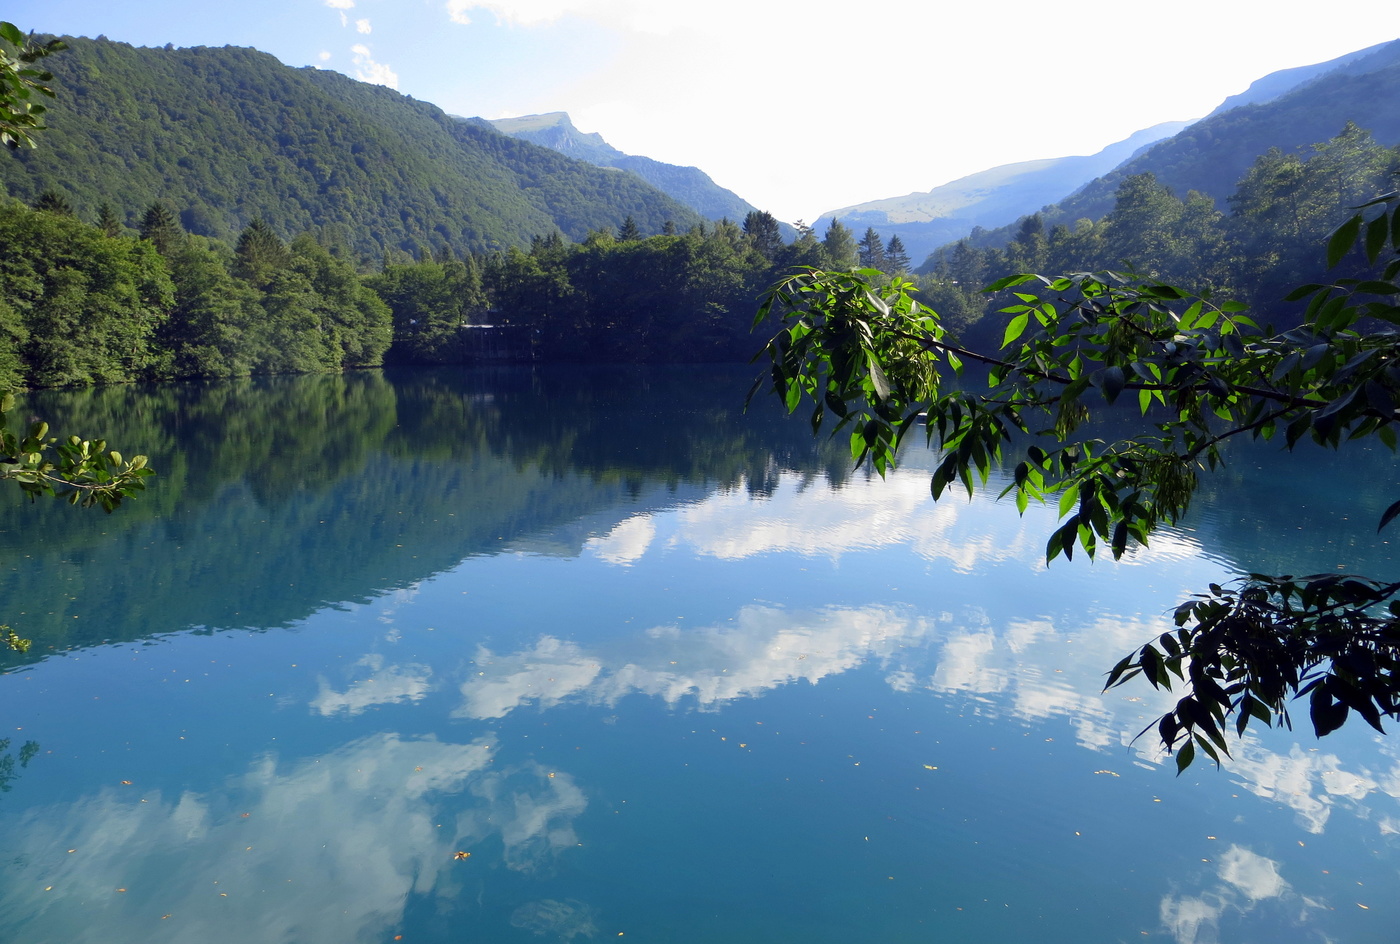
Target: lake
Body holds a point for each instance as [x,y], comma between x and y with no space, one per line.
[587,654]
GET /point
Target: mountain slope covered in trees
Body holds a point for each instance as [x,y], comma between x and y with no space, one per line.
[926,220]
[228,135]
[690,185]
[1212,155]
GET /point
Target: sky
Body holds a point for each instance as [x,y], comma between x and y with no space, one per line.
[799,106]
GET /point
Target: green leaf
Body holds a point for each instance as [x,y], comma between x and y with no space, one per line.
[1341,240]
[1113,381]
[1069,498]
[1389,516]
[1014,328]
[1376,232]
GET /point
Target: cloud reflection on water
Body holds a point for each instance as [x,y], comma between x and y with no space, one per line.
[764,648]
[326,851]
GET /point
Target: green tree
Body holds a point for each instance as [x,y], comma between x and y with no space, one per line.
[260,255]
[868,358]
[840,246]
[871,250]
[896,258]
[108,221]
[762,230]
[162,227]
[52,201]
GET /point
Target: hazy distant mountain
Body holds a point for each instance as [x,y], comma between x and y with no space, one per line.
[989,198]
[689,185]
[1279,83]
[228,135]
[1211,155]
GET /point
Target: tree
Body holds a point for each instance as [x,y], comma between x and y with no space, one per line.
[629,231]
[896,258]
[81,471]
[840,246]
[20,114]
[108,221]
[162,227]
[260,254]
[872,251]
[761,227]
[52,201]
[863,354]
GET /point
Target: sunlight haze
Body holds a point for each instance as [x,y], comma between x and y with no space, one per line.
[800,108]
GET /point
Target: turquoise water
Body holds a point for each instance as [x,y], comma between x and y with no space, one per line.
[661,670]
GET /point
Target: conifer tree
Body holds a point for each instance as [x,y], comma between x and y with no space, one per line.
[162,227]
[840,246]
[260,254]
[629,231]
[108,221]
[51,201]
[762,230]
[872,251]
[896,259]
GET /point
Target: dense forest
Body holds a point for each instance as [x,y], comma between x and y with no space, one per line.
[202,212]
[1211,155]
[93,302]
[228,135]
[1265,241]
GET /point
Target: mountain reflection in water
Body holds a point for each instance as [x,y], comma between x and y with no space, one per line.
[524,656]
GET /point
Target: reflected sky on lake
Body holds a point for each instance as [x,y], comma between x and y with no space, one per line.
[697,696]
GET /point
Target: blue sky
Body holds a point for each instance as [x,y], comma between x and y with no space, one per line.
[799,107]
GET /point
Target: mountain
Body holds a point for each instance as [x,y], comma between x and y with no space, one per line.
[1212,155]
[689,185]
[227,135]
[1284,81]
[924,221]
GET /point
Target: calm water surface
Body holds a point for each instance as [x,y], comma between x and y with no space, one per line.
[580,655]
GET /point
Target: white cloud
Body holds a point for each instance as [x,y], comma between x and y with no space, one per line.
[362,25]
[341,839]
[627,542]
[341,4]
[764,648]
[1251,873]
[324,55]
[1243,880]
[381,686]
[367,70]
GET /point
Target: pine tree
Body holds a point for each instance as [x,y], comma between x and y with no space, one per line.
[162,227]
[762,230]
[260,254]
[629,232]
[840,246]
[51,201]
[872,251]
[896,259]
[108,221]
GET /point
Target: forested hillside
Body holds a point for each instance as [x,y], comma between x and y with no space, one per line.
[1212,155]
[229,135]
[1262,242]
[690,185]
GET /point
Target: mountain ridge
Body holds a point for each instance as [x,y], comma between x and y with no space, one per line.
[229,134]
[688,185]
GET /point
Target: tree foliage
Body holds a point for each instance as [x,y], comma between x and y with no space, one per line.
[21,114]
[867,358]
